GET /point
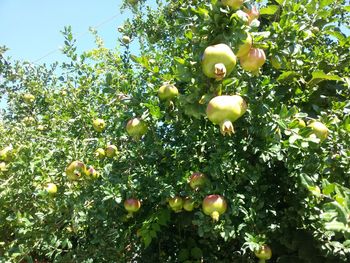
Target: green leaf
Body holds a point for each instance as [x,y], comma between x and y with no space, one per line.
[269,10]
[287,76]
[318,76]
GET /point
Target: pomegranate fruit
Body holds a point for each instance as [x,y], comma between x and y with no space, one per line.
[245,46]
[6,154]
[126,40]
[28,98]
[319,130]
[100,153]
[188,204]
[176,203]
[214,206]
[167,92]
[264,253]
[299,122]
[92,173]
[51,188]
[75,170]
[136,128]
[132,205]
[252,13]
[234,4]
[218,61]
[198,180]
[224,110]
[99,125]
[253,60]
[111,151]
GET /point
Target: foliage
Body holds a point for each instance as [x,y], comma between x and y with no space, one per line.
[283,187]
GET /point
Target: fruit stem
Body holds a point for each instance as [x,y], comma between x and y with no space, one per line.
[219,71]
[226,127]
[215,216]
[130,215]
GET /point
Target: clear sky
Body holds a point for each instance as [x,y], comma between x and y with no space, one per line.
[31,28]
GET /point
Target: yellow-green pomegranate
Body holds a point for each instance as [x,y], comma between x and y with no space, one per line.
[167,92]
[136,128]
[224,110]
[176,203]
[245,46]
[75,170]
[218,61]
[264,253]
[214,206]
[234,4]
[319,130]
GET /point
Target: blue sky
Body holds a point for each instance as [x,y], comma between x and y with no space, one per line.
[31,28]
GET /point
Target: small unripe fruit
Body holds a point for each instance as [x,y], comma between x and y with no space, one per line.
[136,128]
[6,154]
[218,61]
[319,130]
[28,120]
[245,46]
[92,173]
[176,203]
[28,98]
[264,252]
[188,204]
[3,167]
[111,151]
[299,122]
[198,180]
[100,153]
[214,206]
[126,40]
[132,206]
[167,92]
[99,125]
[51,188]
[75,170]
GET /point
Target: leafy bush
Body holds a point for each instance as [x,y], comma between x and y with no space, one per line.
[285,185]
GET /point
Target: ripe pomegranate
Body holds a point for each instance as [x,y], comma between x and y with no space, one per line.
[132,205]
[136,128]
[224,110]
[188,204]
[252,13]
[75,170]
[214,206]
[100,153]
[319,130]
[176,203]
[198,180]
[92,173]
[218,61]
[111,151]
[234,4]
[167,92]
[51,188]
[99,125]
[264,253]
[245,46]
[253,60]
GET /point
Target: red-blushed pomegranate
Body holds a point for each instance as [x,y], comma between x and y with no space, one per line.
[264,253]
[218,61]
[234,4]
[167,92]
[214,206]
[136,128]
[92,173]
[198,180]
[252,13]
[75,170]
[224,110]
[132,205]
[111,151]
[245,46]
[319,130]
[176,203]
[253,60]
[188,204]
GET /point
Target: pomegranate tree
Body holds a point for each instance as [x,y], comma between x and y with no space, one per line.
[245,46]
[198,180]
[253,60]
[176,203]
[319,130]
[167,92]
[75,170]
[214,206]
[218,61]
[136,128]
[234,4]
[224,110]
[132,205]
[264,253]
